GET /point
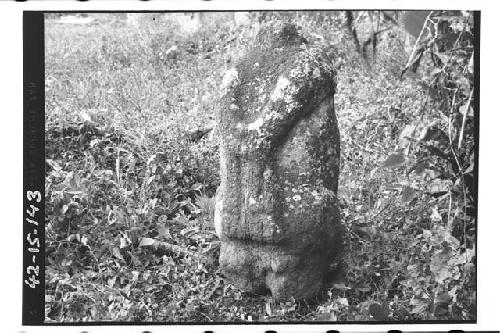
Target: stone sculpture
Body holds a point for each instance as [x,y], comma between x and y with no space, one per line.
[276,209]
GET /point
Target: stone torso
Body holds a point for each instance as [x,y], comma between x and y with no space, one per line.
[279,166]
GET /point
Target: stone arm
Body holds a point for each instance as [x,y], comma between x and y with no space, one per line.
[295,96]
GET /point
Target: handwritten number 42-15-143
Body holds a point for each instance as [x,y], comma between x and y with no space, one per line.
[34,242]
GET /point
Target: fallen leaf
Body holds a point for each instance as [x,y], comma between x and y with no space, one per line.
[378,312]
[406,135]
[435,216]
[146,242]
[408,193]
[394,161]
[116,253]
[419,305]
[341,287]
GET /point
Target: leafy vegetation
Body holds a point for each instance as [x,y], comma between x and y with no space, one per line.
[129,190]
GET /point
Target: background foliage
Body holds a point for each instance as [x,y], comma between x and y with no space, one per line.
[131,171]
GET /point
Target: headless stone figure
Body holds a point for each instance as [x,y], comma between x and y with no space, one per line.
[276,212]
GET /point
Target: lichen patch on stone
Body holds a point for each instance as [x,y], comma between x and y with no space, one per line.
[255,126]
[279,91]
[316,73]
[229,80]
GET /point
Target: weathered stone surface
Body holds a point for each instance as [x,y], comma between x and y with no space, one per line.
[276,209]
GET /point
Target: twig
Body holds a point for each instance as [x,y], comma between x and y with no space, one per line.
[450,116]
[204,315]
[467,105]
[449,208]
[449,137]
[117,168]
[61,314]
[408,64]
[167,248]
[361,15]
[465,215]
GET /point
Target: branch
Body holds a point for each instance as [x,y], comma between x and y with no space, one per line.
[351,29]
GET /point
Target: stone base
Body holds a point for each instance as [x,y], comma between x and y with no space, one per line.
[257,267]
